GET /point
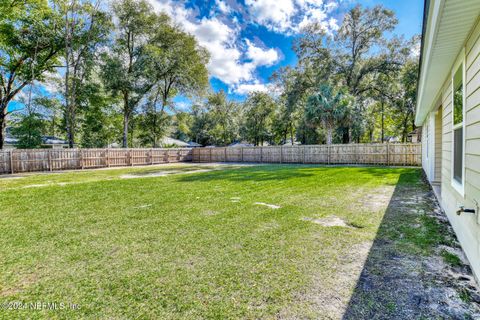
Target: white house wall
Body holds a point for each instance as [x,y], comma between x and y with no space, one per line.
[466,226]
[428,146]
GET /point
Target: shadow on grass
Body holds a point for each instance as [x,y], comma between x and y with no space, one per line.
[266,172]
[393,283]
[175,169]
[253,173]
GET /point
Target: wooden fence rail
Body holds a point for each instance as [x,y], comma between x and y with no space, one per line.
[390,154]
[17,160]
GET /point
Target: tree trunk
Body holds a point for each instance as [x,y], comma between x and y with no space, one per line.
[70,133]
[329,135]
[383,122]
[125,130]
[346,135]
[3,123]
[291,133]
[126,116]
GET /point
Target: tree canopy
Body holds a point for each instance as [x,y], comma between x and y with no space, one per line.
[123,72]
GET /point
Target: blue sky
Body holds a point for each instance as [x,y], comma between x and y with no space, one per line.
[249,39]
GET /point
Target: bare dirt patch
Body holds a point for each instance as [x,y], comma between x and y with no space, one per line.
[377,199]
[143,206]
[405,275]
[271,206]
[210,213]
[268,226]
[25,282]
[162,173]
[330,221]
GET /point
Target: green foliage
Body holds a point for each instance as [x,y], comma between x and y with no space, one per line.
[150,60]
[152,57]
[328,107]
[86,30]
[259,117]
[30,40]
[183,123]
[29,131]
[451,258]
[100,123]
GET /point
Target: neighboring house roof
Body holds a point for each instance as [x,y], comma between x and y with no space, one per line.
[194,144]
[240,144]
[47,140]
[167,141]
[288,142]
[10,140]
[53,140]
[447,24]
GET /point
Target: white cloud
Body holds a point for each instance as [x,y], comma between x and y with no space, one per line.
[222,6]
[233,59]
[228,60]
[256,86]
[245,88]
[290,16]
[259,56]
[274,14]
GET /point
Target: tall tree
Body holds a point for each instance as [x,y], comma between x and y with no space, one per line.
[86,28]
[360,35]
[176,64]
[327,107]
[30,42]
[223,114]
[405,103]
[259,117]
[125,67]
[154,121]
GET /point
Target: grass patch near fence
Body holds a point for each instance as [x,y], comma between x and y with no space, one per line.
[189,246]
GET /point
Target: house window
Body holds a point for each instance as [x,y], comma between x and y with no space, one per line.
[458,110]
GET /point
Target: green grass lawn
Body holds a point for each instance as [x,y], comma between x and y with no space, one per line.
[187,246]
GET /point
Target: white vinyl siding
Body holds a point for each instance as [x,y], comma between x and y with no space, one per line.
[467,226]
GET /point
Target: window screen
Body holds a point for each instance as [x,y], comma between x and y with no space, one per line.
[458,154]
[458,104]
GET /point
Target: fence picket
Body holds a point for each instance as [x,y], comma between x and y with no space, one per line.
[379,154]
[15,161]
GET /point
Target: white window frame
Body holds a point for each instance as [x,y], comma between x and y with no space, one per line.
[459,187]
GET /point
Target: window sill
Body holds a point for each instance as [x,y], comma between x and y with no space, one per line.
[459,187]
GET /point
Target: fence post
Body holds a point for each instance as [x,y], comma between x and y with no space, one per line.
[281,154]
[328,154]
[81,158]
[225,150]
[242,153]
[303,154]
[11,161]
[261,154]
[50,160]
[388,154]
[210,154]
[107,158]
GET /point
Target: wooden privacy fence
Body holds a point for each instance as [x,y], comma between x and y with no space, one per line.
[17,160]
[405,154]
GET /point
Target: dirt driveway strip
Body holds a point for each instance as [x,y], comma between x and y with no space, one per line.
[399,283]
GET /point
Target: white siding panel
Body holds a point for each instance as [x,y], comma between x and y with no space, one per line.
[472,146]
[473,116]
